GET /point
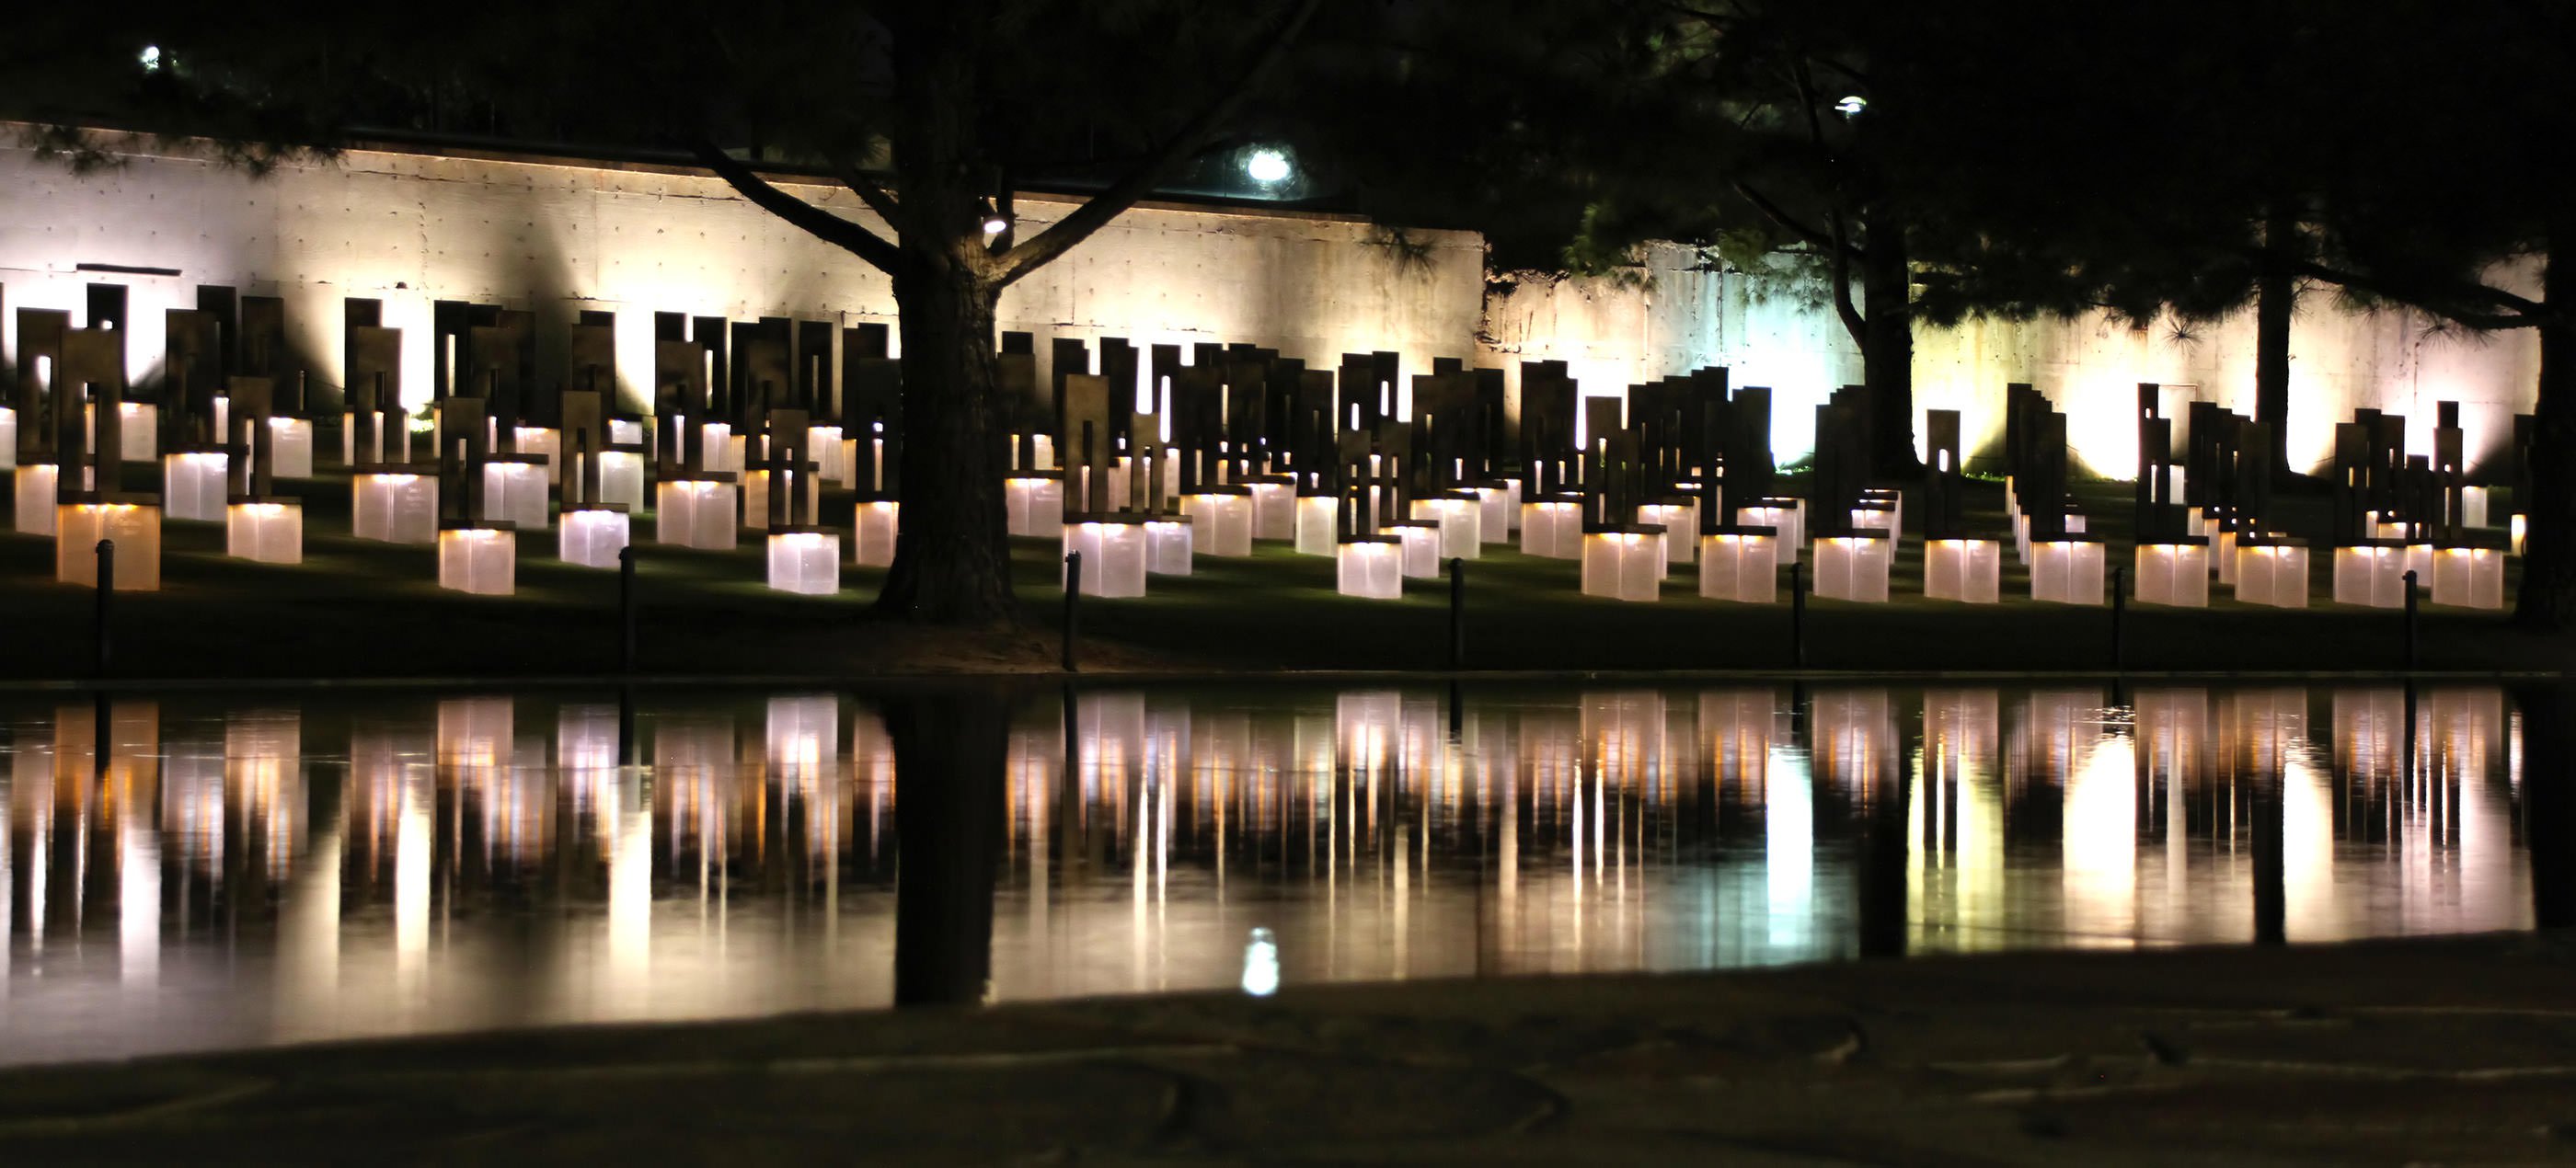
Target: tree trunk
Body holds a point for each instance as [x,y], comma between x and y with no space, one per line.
[951,761]
[2276,292]
[2548,596]
[952,556]
[1887,353]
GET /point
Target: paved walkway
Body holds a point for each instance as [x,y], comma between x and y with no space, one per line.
[2449,1051]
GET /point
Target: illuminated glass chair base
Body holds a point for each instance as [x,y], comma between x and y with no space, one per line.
[1370,567]
[1461,516]
[264,531]
[515,492]
[193,485]
[2066,571]
[755,497]
[1552,528]
[1497,506]
[1421,541]
[1969,571]
[1854,567]
[1168,545]
[34,485]
[1274,506]
[1740,564]
[1786,516]
[2371,575]
[1624,562]
[621,477]
[8,438]
[1113,553]
[1222,517]
[805,561]
[2175,574]
[135,525]
[1033,503]
[695,511]
[873,532]
[292,447]
[394,504]
[2469,577]
[478,558]
[2272,571]
[1318,517]
[592,536]
[1680,521]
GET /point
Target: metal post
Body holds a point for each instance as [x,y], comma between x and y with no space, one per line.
[2119,619]
[2410,621]
[1457,613]
[1798,615]
[106,590]
[1072,611]
[626,608]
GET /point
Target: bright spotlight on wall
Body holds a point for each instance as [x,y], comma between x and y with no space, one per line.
[994,223]
[1851,105]
[1267,166]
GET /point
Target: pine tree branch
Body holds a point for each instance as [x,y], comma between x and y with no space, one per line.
[815,221]
[2441,297]
[1049,245]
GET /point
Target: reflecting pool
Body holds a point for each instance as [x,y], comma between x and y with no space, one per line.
[215,870]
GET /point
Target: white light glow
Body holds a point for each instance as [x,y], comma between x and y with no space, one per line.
[1267,166]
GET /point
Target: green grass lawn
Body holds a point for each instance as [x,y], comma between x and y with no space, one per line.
[363,609]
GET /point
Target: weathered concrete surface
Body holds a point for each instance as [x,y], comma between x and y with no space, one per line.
[2447,1051]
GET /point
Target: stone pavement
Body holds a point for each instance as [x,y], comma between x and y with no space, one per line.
[2455,1051]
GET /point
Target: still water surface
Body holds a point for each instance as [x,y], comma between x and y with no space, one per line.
[246,870]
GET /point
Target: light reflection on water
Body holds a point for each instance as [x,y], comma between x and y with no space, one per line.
[264,872]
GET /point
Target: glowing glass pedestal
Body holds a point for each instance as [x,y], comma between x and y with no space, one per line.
[35,485]
[2173,574]
[1223,517]
[2066,571]
[1624,563]
[593,536]
[1552,528]
[1113,556]
[694,513]
[2372,575]
[805,561]
[1854,567]
[264,532]
[136,528]
[1317,518]
[193,485]
[1742,566]
[1369,567]
[1168,546]
[1033,504]
[394,506]
[2272,572]
[2469,577]
[873,532]
[1969,571]
[480,560]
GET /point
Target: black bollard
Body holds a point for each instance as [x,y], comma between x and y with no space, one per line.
[1457,613]
[1072,611]
[626,725]
[2119,619]
[106,590]
[1798,615]
[2410,622]
[626,608]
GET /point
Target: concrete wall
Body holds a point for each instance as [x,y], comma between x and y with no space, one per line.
[1614,333]
[555,237]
